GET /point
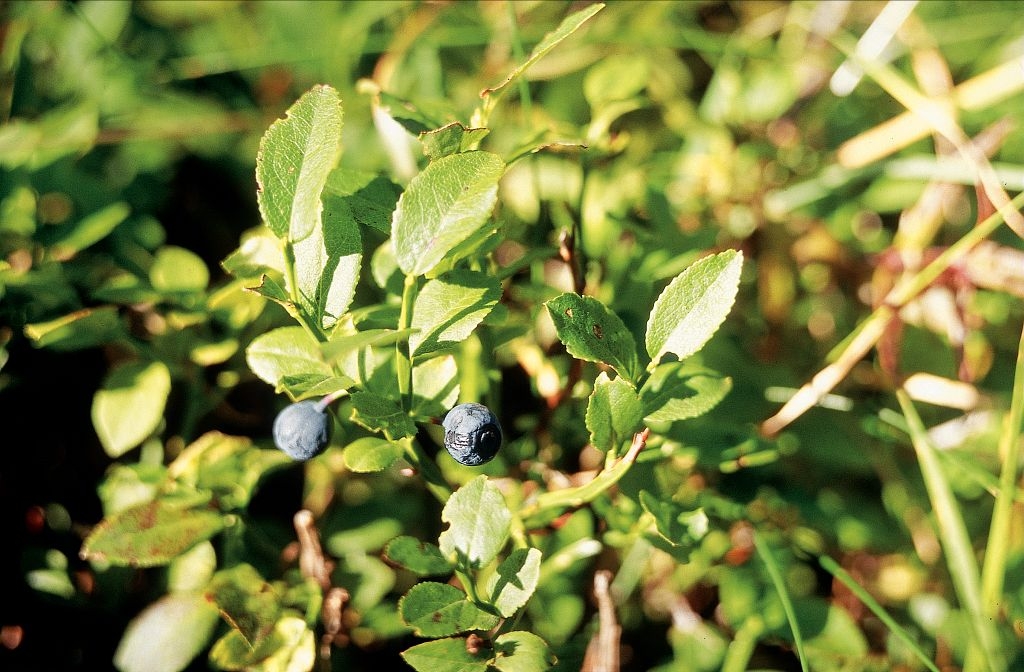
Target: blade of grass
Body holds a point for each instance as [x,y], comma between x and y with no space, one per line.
[992,574]
[787,604]
[833,568]
[963,568]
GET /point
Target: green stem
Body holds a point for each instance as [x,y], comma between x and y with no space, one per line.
[403,360]
[742,648]
[427,468]
[550,505]
[467,582]
[992,574]
[520,56]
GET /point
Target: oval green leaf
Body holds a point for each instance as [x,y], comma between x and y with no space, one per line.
[371,454]
[521,651]
[167,635]
[514,581]
[439,610]
[444,205]
[674,393]
[380,414]
[150,534]
[690,310]
[295,157]
[446,655]
[176,269]
[614,412]
[287,351]
[449,308]
[417,556]
[592,332]
[479,522]
[130,405]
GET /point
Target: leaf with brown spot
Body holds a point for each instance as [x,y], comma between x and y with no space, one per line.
[150,534]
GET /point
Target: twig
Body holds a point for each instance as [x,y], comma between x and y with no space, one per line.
[603,650]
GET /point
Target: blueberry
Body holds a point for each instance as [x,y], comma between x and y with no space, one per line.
[302,429]
[472,435]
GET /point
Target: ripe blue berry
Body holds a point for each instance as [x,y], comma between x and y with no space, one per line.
[302,429]
[472,434]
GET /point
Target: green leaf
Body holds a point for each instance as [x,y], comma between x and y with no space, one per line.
[370,197]
[176,269]
[70,239]
[419,557]
[296,155]
[592,332]
[479,523]
[568,26]
[443,206]
[435,385]
[129,406]
[520,651]
[674,392]
[449,308]
[167,634]
[678,526]
[514,581]
[150,534]
[380,414]
[306,385]
[81,329]
[614,412]
[247,602]
[225,465]
[439,610]
[451,139]
[289,647]
[615,79]
[327,263]
[371,454]
[690,310]
[259,253]
[286,351]
[446,655]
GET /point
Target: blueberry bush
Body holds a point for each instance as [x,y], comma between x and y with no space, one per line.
[512,336]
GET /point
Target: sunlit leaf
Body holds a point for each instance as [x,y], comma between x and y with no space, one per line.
[370,454]
[285,351]
[176,269]
[520,651]
[167,634]
[446,655]
[419,557]
[443,206]
[479,523]
[130,405]
[674,392]
[449,308]
[592,332]
[295,157]
[514,581]
[439,610]
[690,310]
[614,412]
